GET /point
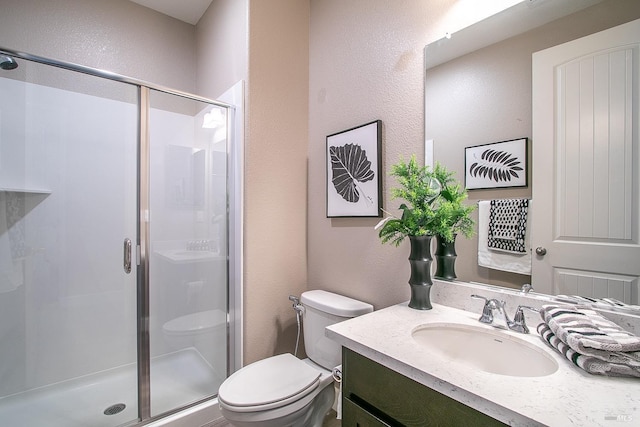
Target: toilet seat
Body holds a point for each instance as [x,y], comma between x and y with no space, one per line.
[268,384]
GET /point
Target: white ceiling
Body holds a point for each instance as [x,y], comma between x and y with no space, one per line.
[188,11]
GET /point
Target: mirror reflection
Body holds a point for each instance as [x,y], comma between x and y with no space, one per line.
[484,96]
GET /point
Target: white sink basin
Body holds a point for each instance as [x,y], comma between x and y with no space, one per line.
[488,350]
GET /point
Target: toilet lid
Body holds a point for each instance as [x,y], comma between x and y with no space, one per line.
[269,383]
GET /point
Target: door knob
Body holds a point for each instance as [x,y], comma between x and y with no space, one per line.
[541,251]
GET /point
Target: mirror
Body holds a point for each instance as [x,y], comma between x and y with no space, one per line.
[478,91]
[184,177]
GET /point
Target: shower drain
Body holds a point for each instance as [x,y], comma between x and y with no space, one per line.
[115,409]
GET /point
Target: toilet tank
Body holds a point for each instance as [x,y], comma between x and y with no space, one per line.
[322,309]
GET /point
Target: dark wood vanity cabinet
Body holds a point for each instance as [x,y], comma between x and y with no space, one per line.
[374,395]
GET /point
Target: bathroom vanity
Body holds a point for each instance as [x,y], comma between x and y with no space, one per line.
[375,395]
[393,376]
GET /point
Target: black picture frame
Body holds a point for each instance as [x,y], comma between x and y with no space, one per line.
[501,164]
[354,181]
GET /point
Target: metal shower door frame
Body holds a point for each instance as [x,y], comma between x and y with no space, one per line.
[143,243]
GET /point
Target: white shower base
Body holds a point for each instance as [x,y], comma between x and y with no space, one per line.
[177,379]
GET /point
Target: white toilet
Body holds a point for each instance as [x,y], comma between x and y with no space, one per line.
[283,391]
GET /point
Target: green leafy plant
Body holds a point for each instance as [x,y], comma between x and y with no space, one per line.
[451,215]
[434,204]
[419,188]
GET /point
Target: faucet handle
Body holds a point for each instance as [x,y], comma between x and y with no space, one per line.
[492,303]
[486,300]
[487,313]
[520,307]
[519,323]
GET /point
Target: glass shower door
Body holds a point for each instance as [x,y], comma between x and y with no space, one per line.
[188,250]
[68,201]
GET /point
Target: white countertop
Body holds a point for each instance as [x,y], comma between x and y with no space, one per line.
[568,397]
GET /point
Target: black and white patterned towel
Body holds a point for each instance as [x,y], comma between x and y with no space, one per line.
[588,332]
[590,364]
[508,225]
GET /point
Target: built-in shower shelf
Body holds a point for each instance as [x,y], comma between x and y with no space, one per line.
[182,256]
[24,190]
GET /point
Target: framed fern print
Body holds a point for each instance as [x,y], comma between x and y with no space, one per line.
[354,184]
[497,165]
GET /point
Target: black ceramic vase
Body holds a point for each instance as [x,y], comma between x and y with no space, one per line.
[445,259]
[420,280]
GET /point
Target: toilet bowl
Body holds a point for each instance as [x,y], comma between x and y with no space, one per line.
[282,390]
[199,330]
[276,392]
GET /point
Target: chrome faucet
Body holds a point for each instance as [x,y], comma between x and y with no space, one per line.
[494,314]
[519,323]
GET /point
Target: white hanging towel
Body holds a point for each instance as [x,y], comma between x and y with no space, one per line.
[501,260]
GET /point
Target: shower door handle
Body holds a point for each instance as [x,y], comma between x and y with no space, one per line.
[127,255]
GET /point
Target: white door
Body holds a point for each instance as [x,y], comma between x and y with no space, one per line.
[585,166]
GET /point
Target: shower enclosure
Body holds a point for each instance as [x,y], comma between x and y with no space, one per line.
[114,247]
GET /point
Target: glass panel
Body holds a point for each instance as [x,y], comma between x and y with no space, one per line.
[188,250]
[68,145]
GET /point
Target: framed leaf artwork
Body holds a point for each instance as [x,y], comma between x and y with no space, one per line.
[497,165]
[354,184]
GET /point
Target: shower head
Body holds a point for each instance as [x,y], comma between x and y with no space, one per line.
[8,63]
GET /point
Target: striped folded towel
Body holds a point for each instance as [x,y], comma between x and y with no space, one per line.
[589,333]
[590,364]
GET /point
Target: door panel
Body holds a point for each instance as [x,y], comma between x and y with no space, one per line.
[585,159]
[597,285]
[68,154]
[188,250]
